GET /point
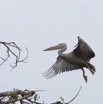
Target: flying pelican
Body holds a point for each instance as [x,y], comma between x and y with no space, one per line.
[77,59]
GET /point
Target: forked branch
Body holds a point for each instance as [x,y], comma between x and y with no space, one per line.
[10,50]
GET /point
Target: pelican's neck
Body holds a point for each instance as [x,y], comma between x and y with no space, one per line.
[60,52]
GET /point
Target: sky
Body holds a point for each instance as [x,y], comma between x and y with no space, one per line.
[39,24]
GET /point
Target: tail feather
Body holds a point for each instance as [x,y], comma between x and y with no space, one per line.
[92,68]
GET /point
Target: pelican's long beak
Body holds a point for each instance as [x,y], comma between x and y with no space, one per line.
[53,48]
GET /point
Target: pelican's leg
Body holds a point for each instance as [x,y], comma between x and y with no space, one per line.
[84,76]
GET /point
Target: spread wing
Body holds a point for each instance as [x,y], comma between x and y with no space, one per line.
[58,67]
[83,50]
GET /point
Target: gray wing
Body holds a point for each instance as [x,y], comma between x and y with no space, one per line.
[83,50]
[58,67]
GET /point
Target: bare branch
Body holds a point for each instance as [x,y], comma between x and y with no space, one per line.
[27,97]
[10,46]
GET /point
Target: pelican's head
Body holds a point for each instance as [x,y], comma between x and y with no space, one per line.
[56,47]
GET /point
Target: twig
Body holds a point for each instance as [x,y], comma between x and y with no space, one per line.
[10,52]
[62,99]
[74,96]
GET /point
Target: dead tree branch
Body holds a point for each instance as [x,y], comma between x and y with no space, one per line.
[10,46]
[27,97]
[24,97]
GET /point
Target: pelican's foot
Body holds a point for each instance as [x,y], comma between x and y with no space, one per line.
[85,78]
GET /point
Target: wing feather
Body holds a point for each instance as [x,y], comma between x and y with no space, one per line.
[58,67]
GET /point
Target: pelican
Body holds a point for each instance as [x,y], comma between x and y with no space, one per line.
[79,58]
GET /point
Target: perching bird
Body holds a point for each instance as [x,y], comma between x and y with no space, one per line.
[77,59]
